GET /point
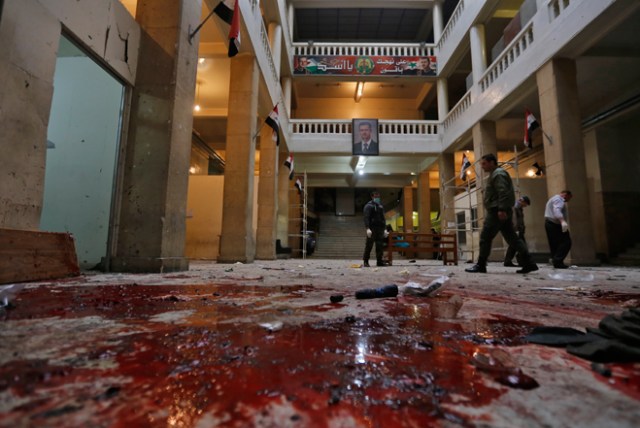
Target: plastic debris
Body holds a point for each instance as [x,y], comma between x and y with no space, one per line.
[271,326]
[571,276]
[8,292]
[355,266]
[373,293]
[416,289]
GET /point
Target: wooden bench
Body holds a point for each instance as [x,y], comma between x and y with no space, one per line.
[412,244]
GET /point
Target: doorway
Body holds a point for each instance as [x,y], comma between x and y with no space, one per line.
[82,146]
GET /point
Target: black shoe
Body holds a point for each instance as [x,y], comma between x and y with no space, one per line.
[380,264]
[510,264]
[560,266]
[531,267]
[365,263]
[477,269]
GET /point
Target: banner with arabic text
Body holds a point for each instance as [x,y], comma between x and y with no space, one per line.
[372,65]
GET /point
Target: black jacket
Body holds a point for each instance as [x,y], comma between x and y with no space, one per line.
[374,216]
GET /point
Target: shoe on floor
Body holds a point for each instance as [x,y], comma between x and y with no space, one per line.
[531,267]
[560,266]
[477,269]
[380,264]
[510,264]
[365,264]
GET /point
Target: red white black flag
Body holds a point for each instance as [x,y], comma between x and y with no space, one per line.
[234,32]
[530,125]
[289,164]
[224,10]
[273,121]
[299,185]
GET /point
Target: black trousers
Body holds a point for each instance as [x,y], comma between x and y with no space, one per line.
[377,237]
[492,225]
[559,242]
[511,251]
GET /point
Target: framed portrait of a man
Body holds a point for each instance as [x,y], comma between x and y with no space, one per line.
[365,137]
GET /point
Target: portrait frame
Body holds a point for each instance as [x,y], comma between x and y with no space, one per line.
[357,135]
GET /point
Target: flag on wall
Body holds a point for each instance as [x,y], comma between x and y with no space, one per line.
[273,121]
[289,164]
[465,164]
[530,125]
[299,185]
[234,32]
[224,10]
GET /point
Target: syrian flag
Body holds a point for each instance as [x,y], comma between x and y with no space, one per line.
[465,164]
[234,32]
[289,164]
[530,125]
[224,10]
[299,185]
[273,121]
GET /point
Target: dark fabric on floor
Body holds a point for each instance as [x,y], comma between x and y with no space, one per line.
[616,340]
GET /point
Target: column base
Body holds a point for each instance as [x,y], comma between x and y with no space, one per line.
[148,264]
[227,259]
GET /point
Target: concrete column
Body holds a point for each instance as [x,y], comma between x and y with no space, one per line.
[407,208]
[485,141]
[446,166]
[275,41]
[565,154]
[237,242]
[424,203]
[291,17]
[152,229]
[27,65]
[282,232]
[478,52]
[286,89]
[267,196]
[443,98]
[437,21]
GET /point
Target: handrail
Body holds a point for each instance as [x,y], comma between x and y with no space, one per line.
[448,29]
[358,49]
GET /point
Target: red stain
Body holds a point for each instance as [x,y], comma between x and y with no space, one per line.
[405,367]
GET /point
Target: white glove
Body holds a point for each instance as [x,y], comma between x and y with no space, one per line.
[386,233]
[565,226]
[369,233]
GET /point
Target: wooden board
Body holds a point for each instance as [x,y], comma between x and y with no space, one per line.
[27,255]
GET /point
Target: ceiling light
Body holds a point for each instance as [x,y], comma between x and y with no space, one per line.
[200,60]
[359,91]
[196,107]
[361,172]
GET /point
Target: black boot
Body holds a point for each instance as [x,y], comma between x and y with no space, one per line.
[477,269]
[529,267]
[365,263]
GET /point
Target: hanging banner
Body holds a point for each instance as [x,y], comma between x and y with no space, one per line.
[365,65]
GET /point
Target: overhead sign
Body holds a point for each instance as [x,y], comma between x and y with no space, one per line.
[373,65]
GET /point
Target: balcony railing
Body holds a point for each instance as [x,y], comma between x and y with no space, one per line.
[515,49]
[448,30]
[457,110]
[360,49]
[385,127]
[556,7]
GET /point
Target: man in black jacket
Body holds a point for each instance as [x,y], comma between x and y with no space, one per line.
[375,223]
[518,216]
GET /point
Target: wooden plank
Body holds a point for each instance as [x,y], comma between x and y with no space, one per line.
[29,255]
[445,244]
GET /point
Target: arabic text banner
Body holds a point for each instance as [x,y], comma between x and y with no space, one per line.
[365,65]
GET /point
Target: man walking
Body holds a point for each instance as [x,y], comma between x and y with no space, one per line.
[557,228]
[518,217]
[499,199]
[375,223]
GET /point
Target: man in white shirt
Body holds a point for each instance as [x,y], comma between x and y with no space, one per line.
[557,228]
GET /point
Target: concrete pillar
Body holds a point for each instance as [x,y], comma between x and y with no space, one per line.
[485,141]
[443,98]
[267,196]
[237,242]
[152,229]
[478,52]
[27,65]
[407,208]
[565,154]
[424,206]
[275,41]
[437,20]
[291,17]
[286,89]
[446,166]
[282,232]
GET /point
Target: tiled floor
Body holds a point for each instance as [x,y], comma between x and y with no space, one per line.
[261,345]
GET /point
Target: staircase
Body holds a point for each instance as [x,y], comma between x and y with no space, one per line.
[340,237]
[631,257]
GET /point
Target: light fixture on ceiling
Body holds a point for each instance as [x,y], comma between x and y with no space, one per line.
[361,172]
[196,107]
[201,60]
[359,91]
